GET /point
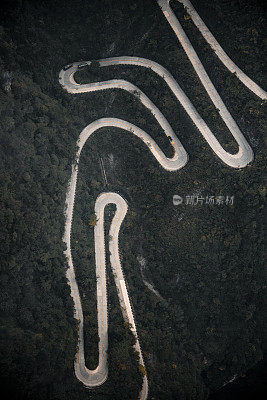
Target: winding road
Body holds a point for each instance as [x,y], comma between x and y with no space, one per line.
[93,378]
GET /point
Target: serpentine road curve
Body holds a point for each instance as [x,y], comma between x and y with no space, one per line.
[93,378]
[193,57]
[220,53]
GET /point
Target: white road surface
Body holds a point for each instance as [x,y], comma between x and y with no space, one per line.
[239,160]
[93,378]
[225,59]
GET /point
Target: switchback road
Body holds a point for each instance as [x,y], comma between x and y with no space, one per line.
[93,378]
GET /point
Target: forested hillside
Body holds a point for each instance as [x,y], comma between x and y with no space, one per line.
[204,326]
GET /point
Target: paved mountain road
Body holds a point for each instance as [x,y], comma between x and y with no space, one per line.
[238,160]
[210,39]
[93,378]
